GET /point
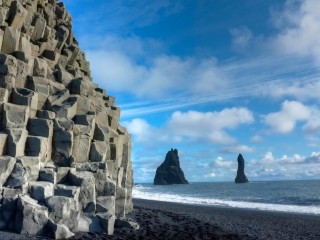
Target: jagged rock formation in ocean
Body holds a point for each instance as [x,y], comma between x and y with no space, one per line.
[241,176]
[65,162]
[169,172]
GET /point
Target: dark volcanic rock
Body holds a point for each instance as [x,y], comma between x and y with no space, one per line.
[241,176]
[169,172]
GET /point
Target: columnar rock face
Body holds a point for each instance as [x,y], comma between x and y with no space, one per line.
[241,176]
[65,162]
[170,172]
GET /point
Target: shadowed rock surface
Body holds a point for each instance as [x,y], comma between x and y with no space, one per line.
[169,172]
[65,163]
[241,176]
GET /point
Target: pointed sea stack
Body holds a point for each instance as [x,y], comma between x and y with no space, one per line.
[169,172]
[241,176]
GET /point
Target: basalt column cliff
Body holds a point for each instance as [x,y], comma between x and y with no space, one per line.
[65,162]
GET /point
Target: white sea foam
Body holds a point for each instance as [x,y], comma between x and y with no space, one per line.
[138,192]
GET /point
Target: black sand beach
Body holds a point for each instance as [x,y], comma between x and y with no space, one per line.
[162,220]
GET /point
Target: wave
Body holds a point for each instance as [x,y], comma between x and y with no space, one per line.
[137,193]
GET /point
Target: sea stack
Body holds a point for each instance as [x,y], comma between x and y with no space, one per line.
[241,176]
[169,172]
[65,162]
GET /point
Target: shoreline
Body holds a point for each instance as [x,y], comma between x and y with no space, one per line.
[245,223]
[167,220]
[256,210]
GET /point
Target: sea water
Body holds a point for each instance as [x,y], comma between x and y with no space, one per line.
[284,196]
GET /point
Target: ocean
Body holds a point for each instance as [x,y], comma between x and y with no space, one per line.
[283,196]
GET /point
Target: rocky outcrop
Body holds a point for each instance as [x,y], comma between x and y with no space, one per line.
[169,172]
[241,176]
[65,162]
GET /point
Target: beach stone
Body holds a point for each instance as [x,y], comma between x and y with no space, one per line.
[60,207]
[105,186]
[26,169]
[62,35]
[8,66]
[40,127]
[4,95]
[121,201]
[67,191]
[45,114]
[31,165]
[126,223]
[18,177]
[16,142]
[3,225]
[18,15]
[3,143]
[26,97]
[101,133]
[38,146]
[13,192]
[31,218]
[39,28]
[84,105]
[86,181]
[59,231]
[62,147]
[170,172]
[41,190]
[82,143]
[66,109]
[91,167]
[241,176]
[14,116]
[6,166]
[57,98]
[107,221]
[63,174]
[98,151]
[106,204]
[8,210]
[89,223]
[10,40]
[48,175]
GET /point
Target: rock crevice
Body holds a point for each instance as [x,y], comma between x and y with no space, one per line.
[65,163]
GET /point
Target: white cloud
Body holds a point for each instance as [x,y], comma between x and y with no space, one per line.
[299,25]
[209,125]
[141,129]
[240,148]
[313,124]
[301,89]
[139,66]
[193,126]
[291,167]
[285,120]
[256,139]
[115,70]
[221,163]
[221,168]
[211,175]
[241,38]
[314,158]
[269,159]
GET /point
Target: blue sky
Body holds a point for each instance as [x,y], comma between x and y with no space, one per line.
[212,79]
